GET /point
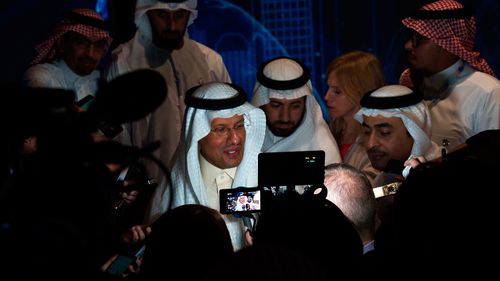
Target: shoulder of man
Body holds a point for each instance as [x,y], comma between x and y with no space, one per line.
[121,50]
[207,51]
[42,75]
[484,81]
[118,62]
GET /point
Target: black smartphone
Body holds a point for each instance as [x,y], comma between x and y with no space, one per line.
[120,265]
[136,176]
[141,185]
[295,171]
[240,200]
[85,102]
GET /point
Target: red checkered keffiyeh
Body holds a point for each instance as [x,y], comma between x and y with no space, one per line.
[84,21]
[452,29]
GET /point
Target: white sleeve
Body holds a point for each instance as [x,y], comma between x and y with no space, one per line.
[39,76]
[218,70]
[490,113]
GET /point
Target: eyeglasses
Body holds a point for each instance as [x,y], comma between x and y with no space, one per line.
[223,131]
[416,38]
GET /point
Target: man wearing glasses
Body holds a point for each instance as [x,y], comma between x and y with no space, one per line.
[221,138]
[458,84]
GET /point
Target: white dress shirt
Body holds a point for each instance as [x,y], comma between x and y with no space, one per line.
[57,74]
[215,179]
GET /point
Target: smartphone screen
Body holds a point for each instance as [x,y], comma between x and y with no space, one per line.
[85,102]
[240,200]
[120,265]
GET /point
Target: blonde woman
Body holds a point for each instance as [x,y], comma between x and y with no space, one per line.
[350,76]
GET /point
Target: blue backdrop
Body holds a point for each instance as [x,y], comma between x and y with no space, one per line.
[247,32]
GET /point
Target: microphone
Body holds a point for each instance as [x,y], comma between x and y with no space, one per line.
[129,97]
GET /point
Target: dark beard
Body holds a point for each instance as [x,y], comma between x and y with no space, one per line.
[279,132]
[169,40]
[285,133]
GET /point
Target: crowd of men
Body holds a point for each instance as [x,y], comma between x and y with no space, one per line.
[192,133]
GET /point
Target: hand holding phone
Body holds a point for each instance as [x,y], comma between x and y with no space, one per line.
[120,264]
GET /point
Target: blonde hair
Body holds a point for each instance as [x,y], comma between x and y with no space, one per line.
[357,73]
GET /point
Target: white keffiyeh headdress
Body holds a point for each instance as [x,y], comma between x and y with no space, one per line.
[400,101]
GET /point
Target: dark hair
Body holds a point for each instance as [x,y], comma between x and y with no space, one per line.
[441,212]
[312,226]
[186,242]
[269,262]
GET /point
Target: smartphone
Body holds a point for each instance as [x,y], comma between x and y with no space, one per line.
[120,265]
[141,185]
[240,200]
[85,102]
[294,171]
[136,178]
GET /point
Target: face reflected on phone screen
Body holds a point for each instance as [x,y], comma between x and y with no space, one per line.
[233,201]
